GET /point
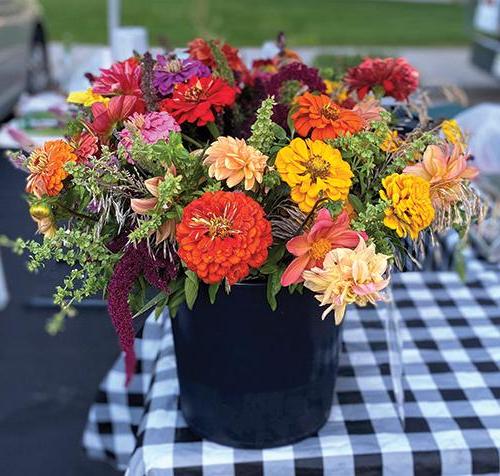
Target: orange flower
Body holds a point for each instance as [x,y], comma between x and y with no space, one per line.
[233,160]
[46,165]
[223,235]
[445,168]
[326,120]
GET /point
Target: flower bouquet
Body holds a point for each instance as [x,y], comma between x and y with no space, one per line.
[277,193]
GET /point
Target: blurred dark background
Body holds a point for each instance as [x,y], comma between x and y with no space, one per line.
[47,382]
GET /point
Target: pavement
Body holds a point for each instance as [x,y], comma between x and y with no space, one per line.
[48,383]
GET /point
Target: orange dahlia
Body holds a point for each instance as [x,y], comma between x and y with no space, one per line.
[46,165]
[223,235]
[325,119]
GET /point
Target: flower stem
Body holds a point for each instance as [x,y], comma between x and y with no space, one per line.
[213,129]
[193,141]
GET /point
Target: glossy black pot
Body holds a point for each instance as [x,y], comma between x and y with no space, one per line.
[253,378]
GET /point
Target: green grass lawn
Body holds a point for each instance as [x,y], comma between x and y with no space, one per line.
[250,22]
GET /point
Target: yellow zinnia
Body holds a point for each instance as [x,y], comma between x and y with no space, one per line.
[86,98]
[410,208]
[314,170]
[452,131]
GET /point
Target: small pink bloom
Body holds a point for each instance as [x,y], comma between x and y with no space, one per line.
[369,109]
[311,247]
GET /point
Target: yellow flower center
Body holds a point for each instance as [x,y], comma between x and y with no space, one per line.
[217,226]
[330,112]
[320,248]
[318,167]
[193,94]
[173,66]
[38,161]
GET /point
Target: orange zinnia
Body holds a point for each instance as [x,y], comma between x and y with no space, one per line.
[223,235]
[326,120]
[46,165]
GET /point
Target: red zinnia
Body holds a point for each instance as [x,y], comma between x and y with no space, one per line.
[396,76]
[198,99]
[223,235]
[123,77]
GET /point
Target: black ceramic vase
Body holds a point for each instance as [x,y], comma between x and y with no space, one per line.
[253,378]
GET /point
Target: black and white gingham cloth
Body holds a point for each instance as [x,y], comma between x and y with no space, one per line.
[451,336]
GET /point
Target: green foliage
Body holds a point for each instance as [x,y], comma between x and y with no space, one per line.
[145,228]
[212,292]
[90,259]
[371,220]
[177,295]
[222,68]
[263,131]
[274,287]
[191,286]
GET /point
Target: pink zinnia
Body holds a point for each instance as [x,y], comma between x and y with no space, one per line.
[123,77]
[311,247]
[158,126]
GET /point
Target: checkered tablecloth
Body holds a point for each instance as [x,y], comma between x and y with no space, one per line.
[451,335]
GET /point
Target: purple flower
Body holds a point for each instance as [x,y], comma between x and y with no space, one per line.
[170,71]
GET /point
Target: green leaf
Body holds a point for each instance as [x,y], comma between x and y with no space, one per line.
[160,307]
[268,268]
[273,288]
[275,254]
[175,301]
[356,203]
[191,286]
[212,292]
[150,304]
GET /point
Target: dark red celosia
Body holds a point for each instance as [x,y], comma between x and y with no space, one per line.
[135,262]
[395,76]
[308,77]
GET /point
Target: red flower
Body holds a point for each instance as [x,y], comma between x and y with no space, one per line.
[199,49]
[106,116]
[198,99]
[87,145]
[223,235]
[123,77]
[395,75]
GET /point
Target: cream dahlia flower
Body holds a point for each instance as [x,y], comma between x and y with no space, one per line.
[235,161]
[348,276]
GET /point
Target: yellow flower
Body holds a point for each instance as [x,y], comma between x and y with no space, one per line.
[391,142]
[86,98]
[313,170]
[348,276]
[452,132]
[337,90]
[410,208]
[233,160]
[44,218]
